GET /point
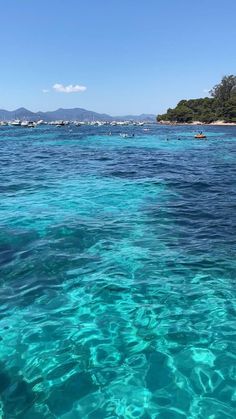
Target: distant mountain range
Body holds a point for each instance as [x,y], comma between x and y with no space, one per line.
[75,114]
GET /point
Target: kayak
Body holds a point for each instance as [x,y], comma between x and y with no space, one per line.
[200,136]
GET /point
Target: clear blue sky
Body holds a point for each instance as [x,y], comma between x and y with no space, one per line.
[133,56]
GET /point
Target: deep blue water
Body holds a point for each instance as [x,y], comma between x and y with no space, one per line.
[117,258]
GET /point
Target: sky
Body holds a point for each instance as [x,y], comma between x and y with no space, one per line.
[113,56]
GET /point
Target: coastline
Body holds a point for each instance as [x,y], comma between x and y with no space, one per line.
[197,123]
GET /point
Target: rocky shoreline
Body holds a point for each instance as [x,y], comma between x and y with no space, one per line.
[216,123]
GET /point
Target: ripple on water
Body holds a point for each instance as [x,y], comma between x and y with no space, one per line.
[117,274]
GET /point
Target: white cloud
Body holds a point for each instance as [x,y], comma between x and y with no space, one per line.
[76,88]
[45,90]
[206,90]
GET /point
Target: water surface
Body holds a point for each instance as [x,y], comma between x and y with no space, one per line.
[117,258]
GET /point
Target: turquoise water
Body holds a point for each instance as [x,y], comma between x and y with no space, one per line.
[117,260]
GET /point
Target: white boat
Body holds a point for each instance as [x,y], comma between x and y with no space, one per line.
[31,124]
[28,124]
[58,123]
[16,123]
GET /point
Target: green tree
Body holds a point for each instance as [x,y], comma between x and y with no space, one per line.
[222,91]
[222,105]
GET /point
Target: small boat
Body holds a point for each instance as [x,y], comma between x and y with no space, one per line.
[59,123]
[31,124]
[200,136]
[28,124]
[16,123]
[24,123]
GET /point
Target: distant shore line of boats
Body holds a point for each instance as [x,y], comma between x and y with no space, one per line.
[61,123]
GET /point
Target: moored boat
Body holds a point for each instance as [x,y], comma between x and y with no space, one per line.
[16,123]
[28,124]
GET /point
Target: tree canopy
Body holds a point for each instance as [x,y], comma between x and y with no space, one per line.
[220,106]
[222,91]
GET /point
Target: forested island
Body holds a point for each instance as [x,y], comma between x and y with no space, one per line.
[221,106]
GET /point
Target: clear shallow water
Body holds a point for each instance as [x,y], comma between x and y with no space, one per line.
[117,258]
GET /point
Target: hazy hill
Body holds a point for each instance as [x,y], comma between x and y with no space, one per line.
[73,114]
[20,113]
